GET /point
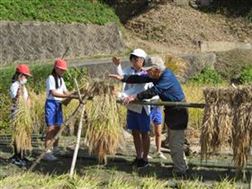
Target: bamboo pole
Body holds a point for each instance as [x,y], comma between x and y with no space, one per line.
[164,103]
[76,150]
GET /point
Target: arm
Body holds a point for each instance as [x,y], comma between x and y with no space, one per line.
[136,79]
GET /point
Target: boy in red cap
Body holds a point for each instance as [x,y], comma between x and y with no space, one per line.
[17,91]
[56,91]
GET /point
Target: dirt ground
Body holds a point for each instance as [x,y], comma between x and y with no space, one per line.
[216,169]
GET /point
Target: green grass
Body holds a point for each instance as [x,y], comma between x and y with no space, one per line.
[66,11]
[92,180]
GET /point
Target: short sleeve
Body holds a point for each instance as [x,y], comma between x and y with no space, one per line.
[50,83]
[14,89]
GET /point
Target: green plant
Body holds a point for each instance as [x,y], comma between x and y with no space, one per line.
[66,11]
[246,75]
[207,76]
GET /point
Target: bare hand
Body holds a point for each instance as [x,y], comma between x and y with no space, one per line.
[116,61]
[115,76]
[128,99]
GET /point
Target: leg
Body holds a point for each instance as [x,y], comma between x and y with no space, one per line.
[138,143]
[50,133]
[176,141]
[158,130]
[145,145]
[56,130]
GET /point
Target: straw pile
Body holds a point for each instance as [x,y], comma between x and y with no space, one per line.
[22,124]
[103,132]
[227,119]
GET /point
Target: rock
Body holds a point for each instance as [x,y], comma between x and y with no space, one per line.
[195,63]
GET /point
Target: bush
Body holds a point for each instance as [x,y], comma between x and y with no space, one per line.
[246,75]
[65,11]
[207,76]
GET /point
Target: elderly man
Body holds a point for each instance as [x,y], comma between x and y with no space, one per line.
[168,88]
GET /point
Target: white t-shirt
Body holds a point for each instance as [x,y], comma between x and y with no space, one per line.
[51,85]
[14,90]
[133,89]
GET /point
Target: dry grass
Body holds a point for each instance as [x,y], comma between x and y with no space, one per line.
[22,126]
[227,119]
[104,131]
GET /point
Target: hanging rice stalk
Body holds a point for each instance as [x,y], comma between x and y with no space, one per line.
[22,127]
[37,111]
[227,120]
[104,133]
[242,126]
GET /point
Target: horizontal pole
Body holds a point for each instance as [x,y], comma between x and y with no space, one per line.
[165,103]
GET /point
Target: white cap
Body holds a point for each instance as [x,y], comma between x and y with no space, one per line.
[154,62]
[139,53]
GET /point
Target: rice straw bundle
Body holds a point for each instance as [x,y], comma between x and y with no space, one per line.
[242,126]
[104,132]
[37,110]
[227,117]
[22,127]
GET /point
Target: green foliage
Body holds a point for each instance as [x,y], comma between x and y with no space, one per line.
[66,11]
[246,75]
[207,76]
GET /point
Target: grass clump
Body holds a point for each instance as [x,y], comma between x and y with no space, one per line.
[66,11]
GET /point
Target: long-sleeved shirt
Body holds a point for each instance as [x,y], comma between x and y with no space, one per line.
[167,87]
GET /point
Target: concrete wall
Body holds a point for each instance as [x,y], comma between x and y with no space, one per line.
[40,40]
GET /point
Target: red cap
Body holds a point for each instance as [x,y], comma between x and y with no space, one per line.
[23,69]
[60,63]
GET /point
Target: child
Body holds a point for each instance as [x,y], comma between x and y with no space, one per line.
[56,91]
[155,111]
[17,91]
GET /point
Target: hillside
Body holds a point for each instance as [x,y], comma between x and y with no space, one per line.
[177,28]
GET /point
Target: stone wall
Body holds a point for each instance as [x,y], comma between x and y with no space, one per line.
[39,40]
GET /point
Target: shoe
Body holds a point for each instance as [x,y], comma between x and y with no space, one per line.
[135,162]
[18,162]
[161,155]
[142,163]
[56,150]
[183,175]
[149,157]
[49,156]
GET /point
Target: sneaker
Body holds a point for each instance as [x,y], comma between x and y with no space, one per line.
[161,155]
[183,175]
[149,157]
[18,162]
[135,162]
[49,156]
[56,150]
[142,163]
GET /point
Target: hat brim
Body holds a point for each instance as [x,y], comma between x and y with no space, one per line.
[147,68]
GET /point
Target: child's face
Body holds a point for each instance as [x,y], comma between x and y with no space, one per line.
[60,72]
[22,79]
[154,73]
[137,62]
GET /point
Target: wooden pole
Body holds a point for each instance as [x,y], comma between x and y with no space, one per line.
[76,150]
[164,103]
[73,115]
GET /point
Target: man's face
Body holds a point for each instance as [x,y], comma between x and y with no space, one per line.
[154,73]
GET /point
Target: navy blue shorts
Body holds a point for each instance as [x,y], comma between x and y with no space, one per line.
[53,113]
[136,121]
[156,115]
